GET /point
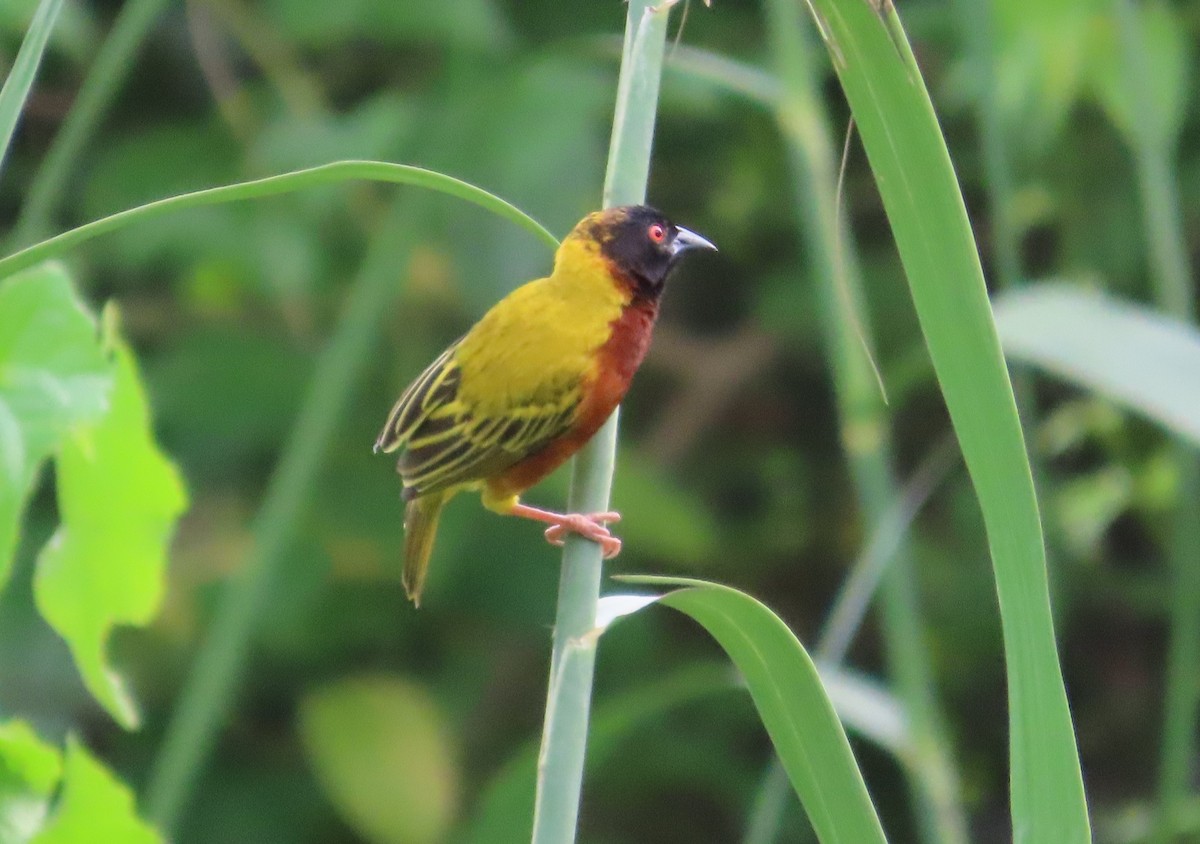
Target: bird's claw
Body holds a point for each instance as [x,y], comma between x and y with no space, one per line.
[590,526]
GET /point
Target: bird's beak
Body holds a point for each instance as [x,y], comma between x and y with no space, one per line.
[685,240]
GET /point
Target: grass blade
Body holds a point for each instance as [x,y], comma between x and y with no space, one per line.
[24,69]
[337,171]
[916,180]
[865,431]
[109,70]
[792,703]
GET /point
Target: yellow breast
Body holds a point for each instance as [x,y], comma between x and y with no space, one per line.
[539,342]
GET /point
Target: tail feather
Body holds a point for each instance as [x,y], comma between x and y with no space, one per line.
[420,527]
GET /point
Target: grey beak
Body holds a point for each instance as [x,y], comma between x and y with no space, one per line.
[685,240]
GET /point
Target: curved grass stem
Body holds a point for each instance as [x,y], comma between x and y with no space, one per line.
[324,174]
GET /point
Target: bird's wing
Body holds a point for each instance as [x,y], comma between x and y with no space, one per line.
[448,441]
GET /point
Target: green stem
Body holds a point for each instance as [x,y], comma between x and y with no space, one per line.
[109,70]
[1172,281]
[337,171]
[572,661]
[24,70]
[932,776]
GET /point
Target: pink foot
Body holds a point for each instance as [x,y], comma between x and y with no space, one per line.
[588,525]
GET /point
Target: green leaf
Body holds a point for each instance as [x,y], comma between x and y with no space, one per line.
[791,701]
[916,181]
[29,771]
[95,806]
[1147,362]
[53,376]
[118,498]
[380,748]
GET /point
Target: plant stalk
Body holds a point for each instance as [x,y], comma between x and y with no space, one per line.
[572,660]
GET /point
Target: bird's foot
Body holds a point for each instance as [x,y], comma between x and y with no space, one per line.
[588,525]
[592,526]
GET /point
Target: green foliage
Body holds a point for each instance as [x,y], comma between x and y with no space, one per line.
[72,393]
[274,335]
[91,804]
[94,806]
[53,377]
[119,498]
[29,771]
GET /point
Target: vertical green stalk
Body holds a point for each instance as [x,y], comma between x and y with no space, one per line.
[916,180]
[24,70]
[572,661]
[209,691]
[932,776]
[1153,152]
[109,70]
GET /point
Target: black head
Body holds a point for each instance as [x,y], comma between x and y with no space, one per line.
[642,244]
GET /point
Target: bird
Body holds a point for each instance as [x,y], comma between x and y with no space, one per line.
[533,380]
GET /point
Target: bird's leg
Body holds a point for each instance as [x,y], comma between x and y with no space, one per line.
[588,525]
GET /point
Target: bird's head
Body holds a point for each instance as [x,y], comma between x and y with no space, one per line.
[640,244]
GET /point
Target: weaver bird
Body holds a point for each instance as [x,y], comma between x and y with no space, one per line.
[533,380]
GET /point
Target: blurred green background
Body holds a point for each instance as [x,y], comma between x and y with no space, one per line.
[361,719]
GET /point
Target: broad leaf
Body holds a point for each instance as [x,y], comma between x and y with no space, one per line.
[119,498]
[53,376]
[95,806]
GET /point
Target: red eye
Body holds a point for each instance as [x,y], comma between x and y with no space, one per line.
[657,233]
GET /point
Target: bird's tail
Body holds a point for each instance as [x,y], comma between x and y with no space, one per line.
[420,527]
